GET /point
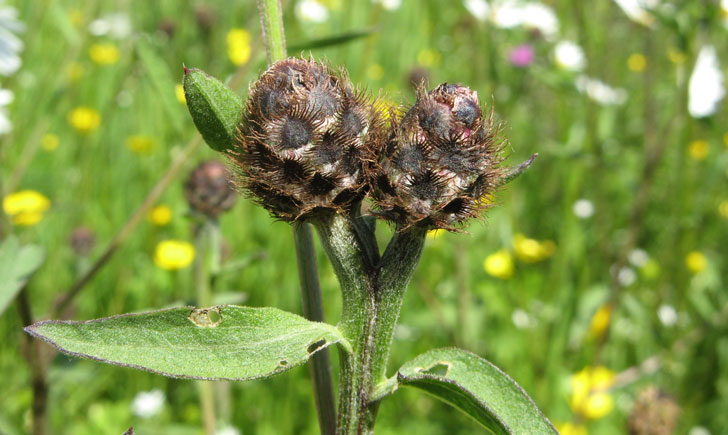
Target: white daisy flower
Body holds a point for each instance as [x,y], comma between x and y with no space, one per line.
[569,56]
[311,11]
[540,17]
[706,89]
[626,276]
[228,430]
[600,92]
[667,315]
[583,208]
[6,97]
[508,14]
[638,10]
[147,403]
[480,9]
[10,44]
[389,5]
[116,25]
[638,257]
[521,319]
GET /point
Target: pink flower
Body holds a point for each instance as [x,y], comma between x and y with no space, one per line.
[521,56]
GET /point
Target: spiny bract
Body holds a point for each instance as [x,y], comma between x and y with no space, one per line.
[305,140]
[441,164]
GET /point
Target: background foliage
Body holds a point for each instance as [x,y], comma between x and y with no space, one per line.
[640,278]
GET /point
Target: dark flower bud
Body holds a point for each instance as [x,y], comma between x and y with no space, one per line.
[209,189]
[82,241]
[442,162]
[654,413]
[305,139]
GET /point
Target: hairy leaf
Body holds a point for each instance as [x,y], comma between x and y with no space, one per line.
[476,387]
[225,342]
[17,264]
[216,110]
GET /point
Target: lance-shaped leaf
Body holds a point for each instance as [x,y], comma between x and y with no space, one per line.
[17,264]
[216,110]
[226,342]
[474,386]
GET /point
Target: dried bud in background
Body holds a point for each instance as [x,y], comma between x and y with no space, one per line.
[654,413]
[418,76]
[209,189]
[167,26]
[205,17]
[82,241]
[442,163]
[305,140]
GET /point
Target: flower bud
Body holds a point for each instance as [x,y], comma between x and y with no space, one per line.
[442,162]
[305,140]
[209,189]
[82,241]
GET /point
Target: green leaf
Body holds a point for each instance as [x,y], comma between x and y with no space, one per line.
[331,41]
[215,108]
[225,342]
[17,264]
[476,387]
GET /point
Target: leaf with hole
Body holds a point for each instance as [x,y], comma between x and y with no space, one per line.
[17,264]
[225,342]
[476,387]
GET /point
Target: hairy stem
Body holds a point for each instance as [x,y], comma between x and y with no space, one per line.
[36,355]
[372,293]
[271,21]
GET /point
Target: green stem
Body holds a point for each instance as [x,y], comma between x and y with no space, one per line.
[207,246]
[271,21]
[372,293]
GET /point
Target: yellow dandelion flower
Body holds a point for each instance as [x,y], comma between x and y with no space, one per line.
[589,397]
[49,142]
[696,262]
[75,71]
[499,264]
[569,428]
[160,215]
[637,62]
[75,16]
[179,91]
[84,119]
[104,54]
[375,72]
[723,208]
[725,139]
[676,56]
[698,149]
[238,44]
[174,254]
[25,207]
[139,143]
[435,234]
[428,57]
[530,250]
[600,321]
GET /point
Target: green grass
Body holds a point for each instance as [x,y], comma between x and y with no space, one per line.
[586,151]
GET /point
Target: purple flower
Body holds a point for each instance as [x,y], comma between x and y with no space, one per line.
[521,56]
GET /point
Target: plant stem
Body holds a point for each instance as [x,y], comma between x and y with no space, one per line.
[35,354]
[207,245]
[271,21]
[372,293]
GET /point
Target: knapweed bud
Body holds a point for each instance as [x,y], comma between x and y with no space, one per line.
[209,189]
[442,162]
[305,140]
[82,241]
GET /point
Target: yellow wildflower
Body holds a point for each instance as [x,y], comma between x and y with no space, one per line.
[600,321]
[160,215]
[637,62]
[238,43]
[104,54]
[531,250]
[25,207]
[696,262]
[49,142]
[75,16]
[589,397]
[139,143]
[174,254]
[723,208]
[499,264]
[428,57]
[375,72]
[676,56]
[725,139]
[84,119]
[569,428]
[434,234]
[179,91]
[698,149]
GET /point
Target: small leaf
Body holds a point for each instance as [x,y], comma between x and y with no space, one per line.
[331,41]
[215,108]
[476,387]
[17,264]
[226,342]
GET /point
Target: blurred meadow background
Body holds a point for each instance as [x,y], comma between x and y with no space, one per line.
[598,283]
